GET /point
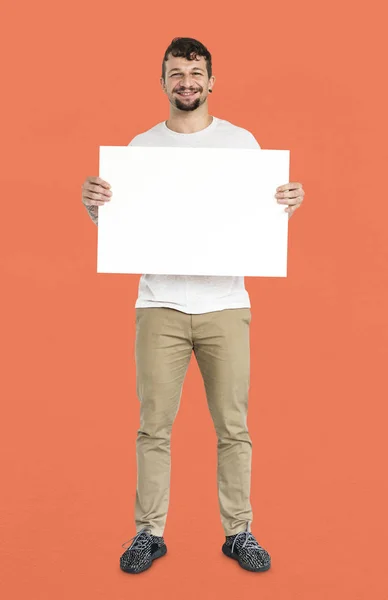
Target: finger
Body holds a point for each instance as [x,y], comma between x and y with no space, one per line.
[97,189]
[292,208]
[93,198]
[289,201]
[291,194]
[289,186]
[99,181]
[88,202]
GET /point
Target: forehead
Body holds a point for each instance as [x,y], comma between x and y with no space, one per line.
[182,64]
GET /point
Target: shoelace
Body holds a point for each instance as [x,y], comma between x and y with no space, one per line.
[250,541]
[140,540]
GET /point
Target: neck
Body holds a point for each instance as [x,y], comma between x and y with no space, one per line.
[181,121]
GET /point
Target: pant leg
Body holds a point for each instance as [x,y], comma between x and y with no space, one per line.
[222,350]
[163,350]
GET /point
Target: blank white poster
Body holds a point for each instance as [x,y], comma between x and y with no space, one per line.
[193,211]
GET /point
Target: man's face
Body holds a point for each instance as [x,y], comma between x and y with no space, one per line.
[186,82]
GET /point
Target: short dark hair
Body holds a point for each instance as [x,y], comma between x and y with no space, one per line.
[188,48]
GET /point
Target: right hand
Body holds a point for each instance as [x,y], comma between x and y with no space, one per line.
[95,192]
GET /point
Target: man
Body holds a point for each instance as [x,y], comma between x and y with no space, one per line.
[176,315]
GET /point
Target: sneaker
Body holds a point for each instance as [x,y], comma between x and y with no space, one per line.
[244,548]
[142,552]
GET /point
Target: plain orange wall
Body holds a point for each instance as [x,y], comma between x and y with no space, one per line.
[304,76]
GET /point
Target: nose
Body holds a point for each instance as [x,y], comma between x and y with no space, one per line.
[186,81]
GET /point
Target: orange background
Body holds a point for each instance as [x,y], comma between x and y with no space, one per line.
[301,76]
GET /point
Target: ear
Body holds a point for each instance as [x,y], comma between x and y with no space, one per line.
[163,86]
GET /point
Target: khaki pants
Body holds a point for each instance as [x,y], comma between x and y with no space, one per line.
[165,339]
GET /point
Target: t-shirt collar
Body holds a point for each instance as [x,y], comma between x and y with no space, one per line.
[196,133]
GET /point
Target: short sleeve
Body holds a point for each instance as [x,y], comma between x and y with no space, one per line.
[253,143]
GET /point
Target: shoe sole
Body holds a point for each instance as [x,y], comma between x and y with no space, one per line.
[158,554]
[227,552]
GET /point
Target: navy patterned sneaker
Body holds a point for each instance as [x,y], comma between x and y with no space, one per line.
[142,552]
[244,548]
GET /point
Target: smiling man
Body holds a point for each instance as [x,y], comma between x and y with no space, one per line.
[179,315]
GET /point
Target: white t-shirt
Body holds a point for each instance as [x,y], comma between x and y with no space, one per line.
[188,293]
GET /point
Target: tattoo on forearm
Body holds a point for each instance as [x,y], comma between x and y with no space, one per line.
[93,213]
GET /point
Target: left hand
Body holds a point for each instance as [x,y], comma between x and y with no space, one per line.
[291,194]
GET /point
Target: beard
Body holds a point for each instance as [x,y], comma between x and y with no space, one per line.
[189,106]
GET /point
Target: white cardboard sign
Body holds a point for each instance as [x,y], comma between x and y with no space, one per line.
[193,211]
